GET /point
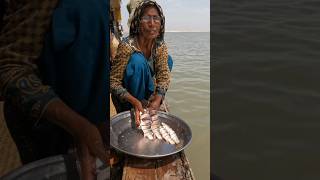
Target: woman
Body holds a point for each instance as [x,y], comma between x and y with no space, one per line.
[140,70]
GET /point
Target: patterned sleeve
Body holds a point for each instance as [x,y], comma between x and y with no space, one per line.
[118,67]
[162,69]
[21,41]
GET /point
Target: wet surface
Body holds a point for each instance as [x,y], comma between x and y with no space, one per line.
[131,141]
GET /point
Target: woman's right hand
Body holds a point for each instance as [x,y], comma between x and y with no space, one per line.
[138,108]
[137,105]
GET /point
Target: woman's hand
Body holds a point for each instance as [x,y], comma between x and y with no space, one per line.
[137,105]
[155,102]
[87,162]
[138,108]
[91,138]
[90,147]
[86,135]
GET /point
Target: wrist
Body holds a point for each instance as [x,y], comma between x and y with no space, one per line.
[132,100]
[80,128]
[59,113]
[158,98]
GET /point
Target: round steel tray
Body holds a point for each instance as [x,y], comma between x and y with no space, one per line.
[131,141]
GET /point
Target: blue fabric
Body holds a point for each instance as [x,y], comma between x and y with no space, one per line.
[75,59]
[170,62]
[138,78]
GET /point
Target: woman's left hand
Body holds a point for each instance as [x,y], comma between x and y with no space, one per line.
[155,102]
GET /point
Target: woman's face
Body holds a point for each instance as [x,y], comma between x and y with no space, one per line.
[150,23]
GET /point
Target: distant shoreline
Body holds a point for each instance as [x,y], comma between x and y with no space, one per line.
[180,32]
[190,31]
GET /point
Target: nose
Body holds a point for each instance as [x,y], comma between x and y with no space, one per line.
[152,22]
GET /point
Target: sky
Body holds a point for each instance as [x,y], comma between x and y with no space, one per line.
[181,15]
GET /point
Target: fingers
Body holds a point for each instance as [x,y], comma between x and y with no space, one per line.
[141,109]
[94,143]
[137,114]
[155,103]
[102,154]
[90,146]
[138,108]
[87,163]
[97,148]
[87,157]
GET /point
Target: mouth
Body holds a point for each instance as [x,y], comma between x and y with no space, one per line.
[154,31]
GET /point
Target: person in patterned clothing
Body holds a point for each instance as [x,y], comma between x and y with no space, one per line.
[140,71]
[54,78]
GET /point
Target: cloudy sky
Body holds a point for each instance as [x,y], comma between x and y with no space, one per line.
[181,15]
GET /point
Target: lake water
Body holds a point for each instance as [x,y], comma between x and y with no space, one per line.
[266,121]
[189,93]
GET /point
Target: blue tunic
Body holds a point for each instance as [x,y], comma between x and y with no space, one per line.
[75,60]
[138,79]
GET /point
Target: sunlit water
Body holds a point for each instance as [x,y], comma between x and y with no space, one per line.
[189,93]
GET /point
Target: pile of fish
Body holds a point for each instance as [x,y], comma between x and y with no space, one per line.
[151,127]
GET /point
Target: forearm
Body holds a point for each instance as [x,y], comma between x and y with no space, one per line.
[158,98]
[155,102]
[85,134]
[59,113]
[129,98]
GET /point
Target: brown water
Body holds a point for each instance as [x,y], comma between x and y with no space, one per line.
[189,93]
[266,121]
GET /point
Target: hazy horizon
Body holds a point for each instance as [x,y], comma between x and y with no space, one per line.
[181,15]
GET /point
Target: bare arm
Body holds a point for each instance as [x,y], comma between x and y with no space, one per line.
[21,42]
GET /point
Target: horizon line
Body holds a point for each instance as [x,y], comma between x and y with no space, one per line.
[185,31]
[175,31]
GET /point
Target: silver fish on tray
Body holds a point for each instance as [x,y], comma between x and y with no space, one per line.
[166,135]
[155,126]
[152,128]
[171,132]
[145,125]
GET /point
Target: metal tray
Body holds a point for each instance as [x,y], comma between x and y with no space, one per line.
[131,141]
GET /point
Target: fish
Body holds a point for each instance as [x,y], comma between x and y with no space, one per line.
[171,132]
[155,126]
[145,125]
[166,135]
[152,128]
